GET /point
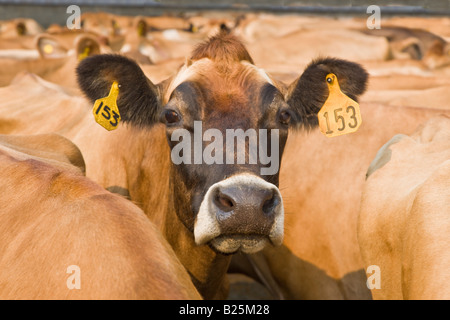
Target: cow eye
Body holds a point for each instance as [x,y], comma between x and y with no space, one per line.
[285,117]
[171,116]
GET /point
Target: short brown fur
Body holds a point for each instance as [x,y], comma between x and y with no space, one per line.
[52,218]
[222,47]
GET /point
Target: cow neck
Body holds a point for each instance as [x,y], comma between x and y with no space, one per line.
[148,167]
[206,267]
[152,186]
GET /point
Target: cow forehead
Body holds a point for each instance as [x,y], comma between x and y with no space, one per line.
[236,74]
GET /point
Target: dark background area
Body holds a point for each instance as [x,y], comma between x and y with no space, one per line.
[47,12]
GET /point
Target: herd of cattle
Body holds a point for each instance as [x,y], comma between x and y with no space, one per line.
[358,216]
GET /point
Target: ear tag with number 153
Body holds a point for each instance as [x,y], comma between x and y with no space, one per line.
[339,114]
[84,54]
[106,112]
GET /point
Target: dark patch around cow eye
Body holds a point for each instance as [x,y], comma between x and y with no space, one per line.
[268,93]
[187,98]
[188,92]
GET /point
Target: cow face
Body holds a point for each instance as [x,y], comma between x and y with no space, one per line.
[231,119]
[227,123]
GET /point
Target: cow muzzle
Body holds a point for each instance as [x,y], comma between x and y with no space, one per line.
[243,212]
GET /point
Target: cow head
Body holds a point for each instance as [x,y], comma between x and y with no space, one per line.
[227,123]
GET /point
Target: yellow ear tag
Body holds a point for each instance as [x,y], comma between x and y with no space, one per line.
[85,53]
[339,114]
[48,48]
[141,29]
[106,112]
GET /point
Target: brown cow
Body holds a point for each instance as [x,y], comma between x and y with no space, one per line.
[320,257]
[404,222]
[135,40]
[54,57]
[205,211]
[111,26]
[158,45]
[64,237]
[343,43]
[415,43]
[19,27]
[51,48]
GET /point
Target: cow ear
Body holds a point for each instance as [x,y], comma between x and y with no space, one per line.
[21,28]
[141,26]
[308,93]
[138,99]
[49,47]
[86,46]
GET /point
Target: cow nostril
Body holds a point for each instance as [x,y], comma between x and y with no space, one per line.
[224,202]
[270,204]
